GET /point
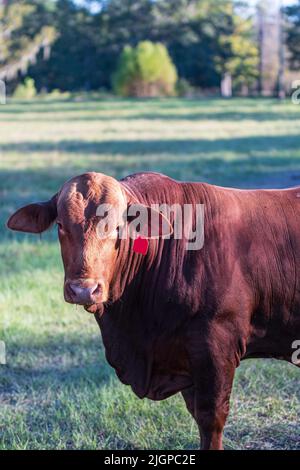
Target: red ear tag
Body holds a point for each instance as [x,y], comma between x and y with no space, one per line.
[140,245]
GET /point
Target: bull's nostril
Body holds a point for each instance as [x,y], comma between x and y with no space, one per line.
[97,290]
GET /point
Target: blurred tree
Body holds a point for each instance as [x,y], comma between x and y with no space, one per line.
[206,39]
[201,36]
[293,34]
[145,71]
[271,47]
[122,23]
[212,39]
[238,56]
[189,34]
[25,31]
[75,62]
[26,90]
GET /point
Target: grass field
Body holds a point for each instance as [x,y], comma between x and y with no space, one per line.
[56,390]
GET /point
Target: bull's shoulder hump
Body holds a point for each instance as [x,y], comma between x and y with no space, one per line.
[147,175]
[146,180]
[149,182]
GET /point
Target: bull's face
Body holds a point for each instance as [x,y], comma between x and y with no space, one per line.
[89,256]
[88,259]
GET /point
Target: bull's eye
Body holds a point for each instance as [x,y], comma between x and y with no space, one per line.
[61,230]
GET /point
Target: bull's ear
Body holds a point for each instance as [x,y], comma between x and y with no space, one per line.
[147,222]
[34,218]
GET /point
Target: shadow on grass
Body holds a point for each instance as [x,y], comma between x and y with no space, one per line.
[19,187]
[56,387]
[249,160]
[225,116]
[199,116]
[59,361]
[263,437]
[246,145]
[258,161]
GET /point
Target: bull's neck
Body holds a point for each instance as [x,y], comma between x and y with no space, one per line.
[135,272]
[131,268]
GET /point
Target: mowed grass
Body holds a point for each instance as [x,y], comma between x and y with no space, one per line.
[57,390]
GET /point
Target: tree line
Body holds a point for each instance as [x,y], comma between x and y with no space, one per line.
[70,45]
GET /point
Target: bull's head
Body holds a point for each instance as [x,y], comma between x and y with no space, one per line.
[89,259]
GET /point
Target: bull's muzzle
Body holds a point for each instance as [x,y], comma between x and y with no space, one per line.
[84,293]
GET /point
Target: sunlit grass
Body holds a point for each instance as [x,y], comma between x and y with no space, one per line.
[57,390]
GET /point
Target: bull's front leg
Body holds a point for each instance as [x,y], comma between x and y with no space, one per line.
[208,403]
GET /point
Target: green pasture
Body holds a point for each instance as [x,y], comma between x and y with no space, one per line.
[56,390]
